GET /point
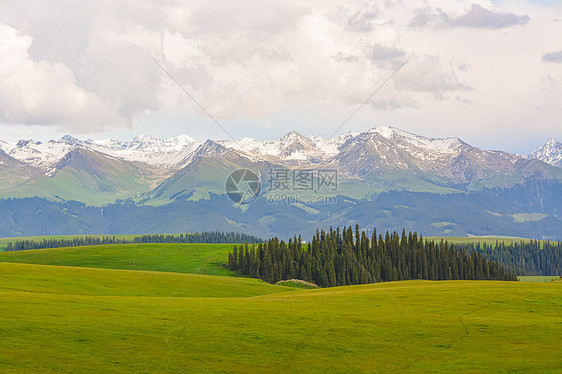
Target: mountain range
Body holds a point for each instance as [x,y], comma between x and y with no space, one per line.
[154,173]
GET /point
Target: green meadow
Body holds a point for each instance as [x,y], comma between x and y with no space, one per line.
[490,240]
[459,240]
[4,241]
[69,280]
[538,278]
[179,258]
[176,310]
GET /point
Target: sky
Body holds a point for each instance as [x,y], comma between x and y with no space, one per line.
[488,72]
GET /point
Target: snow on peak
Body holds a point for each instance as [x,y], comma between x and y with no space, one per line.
[293,135]
[26,143]
[550,152]
[183,139]
[6,147]
[150,149]
[143,148]
[331,146]
[291,147]
[430,144]
[384,131]
[70,140]
[38,154]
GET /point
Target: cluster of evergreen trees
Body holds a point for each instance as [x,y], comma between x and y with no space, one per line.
[523,258]
[202,237]
[338,258]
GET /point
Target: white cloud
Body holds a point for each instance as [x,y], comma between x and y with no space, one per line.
[45,93]
[475,17]
[427,74]
[239,60]
[251,60]
[480,17]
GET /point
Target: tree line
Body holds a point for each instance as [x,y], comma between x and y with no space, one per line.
[340,257]
[523,258]
[201,237]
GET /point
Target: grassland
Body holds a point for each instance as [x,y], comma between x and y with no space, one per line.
[436,327]
[179,258]
[460,240]
[4,241]
[70,280]
[89,318]
[538,278]
[478,239]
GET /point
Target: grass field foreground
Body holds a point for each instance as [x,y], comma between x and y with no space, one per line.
[53,324]
[169,315]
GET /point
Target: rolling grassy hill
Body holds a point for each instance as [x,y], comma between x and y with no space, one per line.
[58,319]
[180,258]
[109,282]
[90,318]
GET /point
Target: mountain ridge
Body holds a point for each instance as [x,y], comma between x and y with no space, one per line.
[293,146]
[380,159]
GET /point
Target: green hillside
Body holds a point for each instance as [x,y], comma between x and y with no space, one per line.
[92,321]
[109,282]
[4,241]
[179,258]
[13,172]
[199,179]
[89,177]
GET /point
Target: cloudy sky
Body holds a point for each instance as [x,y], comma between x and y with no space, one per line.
[489,72]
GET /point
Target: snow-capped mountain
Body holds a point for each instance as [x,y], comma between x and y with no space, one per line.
[148,149]
[386,146]
[383,158]
[383,152]
[291,148]
[313,149]
[385,176]
[331,146]
[550,152]
[38,154]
